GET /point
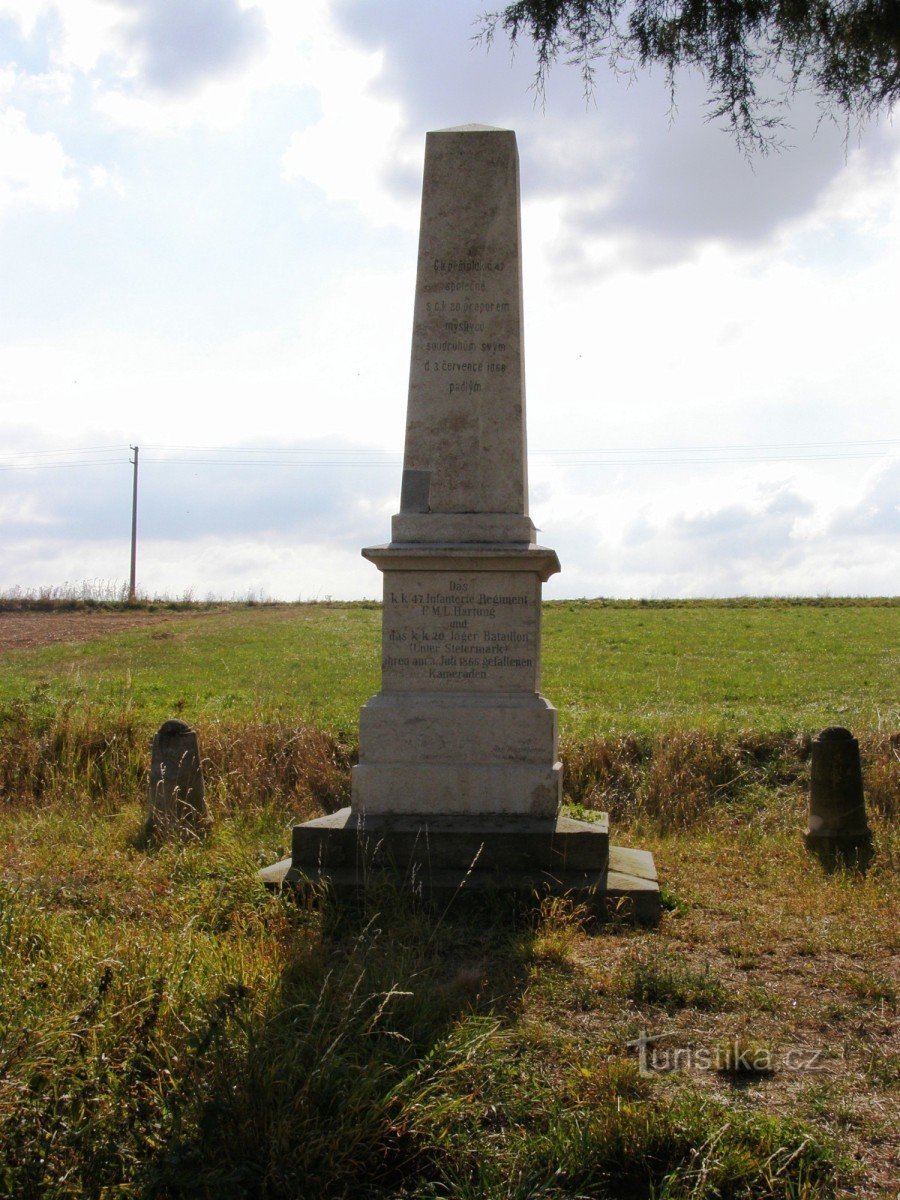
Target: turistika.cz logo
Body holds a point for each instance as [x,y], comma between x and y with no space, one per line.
[735,1057]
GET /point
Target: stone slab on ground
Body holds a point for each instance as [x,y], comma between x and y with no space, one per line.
[451,842]
[626,889]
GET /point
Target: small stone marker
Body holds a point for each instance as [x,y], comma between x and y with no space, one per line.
[838,831]
[459,782]
[177,796]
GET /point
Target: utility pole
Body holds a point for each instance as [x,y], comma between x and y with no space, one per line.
[131,585]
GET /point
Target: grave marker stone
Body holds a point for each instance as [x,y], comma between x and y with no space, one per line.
[177,802]
[838,832]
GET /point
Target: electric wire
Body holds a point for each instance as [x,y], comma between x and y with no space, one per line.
[298,456]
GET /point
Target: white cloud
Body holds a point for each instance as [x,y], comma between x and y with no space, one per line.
[767,530]
[651,190]
[336,367]
[156,65]
[201,287]
[34,168]
[25,12]
[88,34]
[23,509]
[875,510]
[348,151]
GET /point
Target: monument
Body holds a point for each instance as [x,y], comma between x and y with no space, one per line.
[458,781]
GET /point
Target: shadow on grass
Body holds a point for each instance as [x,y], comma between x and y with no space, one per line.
[327,1090]
[400,1056]
[394,1053]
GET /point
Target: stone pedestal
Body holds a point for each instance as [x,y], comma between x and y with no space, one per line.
[440,859]
[459,725]
[458,782]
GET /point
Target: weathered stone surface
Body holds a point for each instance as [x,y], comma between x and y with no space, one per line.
[460,650]
[464,556]
[465,430]
[462,577]
[626,888]
[480,843]
[461,630]
[491,528]
[528,789]
[838,830]
[177,801]
[421,727]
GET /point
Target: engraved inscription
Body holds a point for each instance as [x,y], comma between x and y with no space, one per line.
[477,630]
[465,416]
[444,343]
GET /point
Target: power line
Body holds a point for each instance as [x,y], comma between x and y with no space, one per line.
[312,456]
[743,446]
[107,449]
[323,450]
[100,462]
[605,462]
[672,462]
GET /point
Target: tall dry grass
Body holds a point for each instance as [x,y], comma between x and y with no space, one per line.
[102,756]
[673,780]
[680,778]
[881,764]
[168,1029]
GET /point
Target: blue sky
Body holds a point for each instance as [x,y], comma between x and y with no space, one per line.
[208,219]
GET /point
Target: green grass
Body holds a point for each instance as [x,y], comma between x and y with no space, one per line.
[665,981]
[168,1029]
[608,667]
[318,662]
[768,667]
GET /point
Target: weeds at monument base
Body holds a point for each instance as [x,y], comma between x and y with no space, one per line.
[673,779]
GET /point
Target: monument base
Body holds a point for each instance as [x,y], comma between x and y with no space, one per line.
[468,753]
[436,858]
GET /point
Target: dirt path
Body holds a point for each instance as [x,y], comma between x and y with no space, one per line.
[19,630]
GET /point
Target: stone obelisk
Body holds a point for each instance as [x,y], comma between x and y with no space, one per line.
[458,780]
[459,725]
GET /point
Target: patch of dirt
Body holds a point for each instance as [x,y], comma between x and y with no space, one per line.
[21,630]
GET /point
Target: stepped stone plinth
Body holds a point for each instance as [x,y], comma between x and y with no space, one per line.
[459,783]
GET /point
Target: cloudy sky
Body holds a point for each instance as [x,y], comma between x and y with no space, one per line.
[208,221]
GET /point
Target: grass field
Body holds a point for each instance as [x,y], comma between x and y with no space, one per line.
[609,668]
[167,1029]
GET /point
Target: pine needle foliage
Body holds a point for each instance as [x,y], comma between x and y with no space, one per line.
[754,54]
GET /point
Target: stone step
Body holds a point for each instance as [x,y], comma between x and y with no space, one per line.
[451,841]
[626,888]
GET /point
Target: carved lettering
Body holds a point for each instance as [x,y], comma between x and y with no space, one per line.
[479,629]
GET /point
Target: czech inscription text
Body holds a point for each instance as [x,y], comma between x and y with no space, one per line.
[449,349]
